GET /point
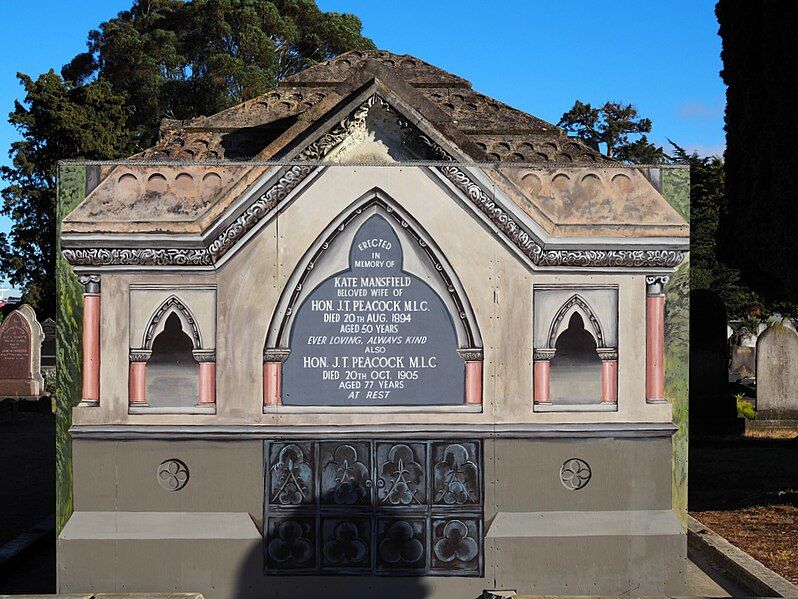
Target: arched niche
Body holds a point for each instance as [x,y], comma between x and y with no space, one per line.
[172,305]
[576,304]
[576,366]
[373,239]
[172,375]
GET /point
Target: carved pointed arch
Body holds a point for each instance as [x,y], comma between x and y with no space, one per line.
[305,276]
[576,303]
[172,304]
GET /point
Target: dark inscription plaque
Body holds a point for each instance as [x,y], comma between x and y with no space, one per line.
[15,349]
[373,334]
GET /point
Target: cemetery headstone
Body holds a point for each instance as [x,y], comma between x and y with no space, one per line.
[21,339]
[777,374]
[48,345]
[711,404]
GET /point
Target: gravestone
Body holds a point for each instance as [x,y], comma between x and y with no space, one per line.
[711,404]
[743,356]
[21,339]
[777,374]
[48,345]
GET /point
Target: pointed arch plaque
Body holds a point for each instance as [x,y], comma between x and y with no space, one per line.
[376,318]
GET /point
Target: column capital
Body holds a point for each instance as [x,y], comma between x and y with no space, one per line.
[655,284]
[471,354]
[204,355]
[140,355]
[91,284]
[543,354]
[276,354]
[607,353]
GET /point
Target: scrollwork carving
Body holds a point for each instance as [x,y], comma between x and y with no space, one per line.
[137,257]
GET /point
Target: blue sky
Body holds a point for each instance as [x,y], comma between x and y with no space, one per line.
[536,55]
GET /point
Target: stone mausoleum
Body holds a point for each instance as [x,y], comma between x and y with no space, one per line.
[373,334]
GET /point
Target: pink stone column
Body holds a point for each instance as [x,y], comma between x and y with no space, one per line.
[541,372]
[273,359]
[91,339]
[473,374]
[207,384]
[609,375]
[655,339]
[137,378]
[207,377]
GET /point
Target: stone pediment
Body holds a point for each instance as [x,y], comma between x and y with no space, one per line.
[376,117]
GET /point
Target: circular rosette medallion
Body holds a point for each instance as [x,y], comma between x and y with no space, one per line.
[173,474]
[575,474]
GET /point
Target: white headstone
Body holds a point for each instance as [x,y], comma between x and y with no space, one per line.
[777,374]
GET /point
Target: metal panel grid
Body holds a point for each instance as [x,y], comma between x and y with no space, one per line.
[373,507]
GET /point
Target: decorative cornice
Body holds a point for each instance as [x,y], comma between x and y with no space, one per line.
[137,257]
[421,144]
[276,354]
[535,252]
[471,354]
[287,182]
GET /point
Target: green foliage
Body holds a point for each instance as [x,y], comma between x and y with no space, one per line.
[707,201]
[612,124]
[745,407]
[675,182]
[182,59]
[69,353]
[160,58]
[757,225]
[677,375]
[55,121]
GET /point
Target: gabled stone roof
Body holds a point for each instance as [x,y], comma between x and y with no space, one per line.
[243,131]
[567,188]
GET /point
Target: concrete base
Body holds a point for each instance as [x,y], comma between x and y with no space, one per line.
[614,535]
[761,423]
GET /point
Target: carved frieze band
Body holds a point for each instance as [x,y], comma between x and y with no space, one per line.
[137,257]
[320,148]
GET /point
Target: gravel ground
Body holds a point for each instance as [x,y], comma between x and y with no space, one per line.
[746,490]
